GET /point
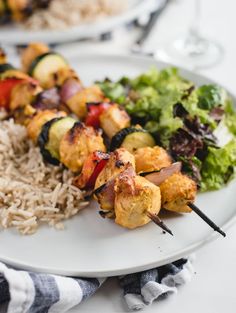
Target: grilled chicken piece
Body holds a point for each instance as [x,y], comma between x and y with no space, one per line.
[176,192]
[105,194]
[23,94]
[114,119]
[64,74]
[116,164]
[78,102]
[134,197]
[178,189]
[149,159]
[32,51]
[19,9]
[36,123]
[77,144]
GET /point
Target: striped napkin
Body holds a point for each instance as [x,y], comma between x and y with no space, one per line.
[28,292]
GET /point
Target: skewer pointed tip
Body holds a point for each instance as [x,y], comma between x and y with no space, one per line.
[206,219]
[159,222]
[220,231]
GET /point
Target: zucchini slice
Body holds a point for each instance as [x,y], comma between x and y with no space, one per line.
[5,67]
[45,66]
[15,73]
[51,135]
[132,138]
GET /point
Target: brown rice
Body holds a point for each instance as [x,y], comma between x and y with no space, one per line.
[32,192]
[65,13]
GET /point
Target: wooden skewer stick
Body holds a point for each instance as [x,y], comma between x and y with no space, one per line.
[159,222]
[206,219]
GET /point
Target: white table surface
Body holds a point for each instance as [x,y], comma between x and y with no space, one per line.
[212,289]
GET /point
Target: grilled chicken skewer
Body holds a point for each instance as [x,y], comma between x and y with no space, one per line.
[61,138]
[26,104]
[123,195]
[178,191]
[131,200]
[64,91]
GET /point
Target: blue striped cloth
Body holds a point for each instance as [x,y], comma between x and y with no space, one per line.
[28,292]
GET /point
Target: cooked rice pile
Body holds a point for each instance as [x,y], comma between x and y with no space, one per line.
[64,13]
[32,192]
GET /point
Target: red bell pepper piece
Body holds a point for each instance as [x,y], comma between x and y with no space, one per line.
[6,87]
[94,112]
[92,167]
[98,168]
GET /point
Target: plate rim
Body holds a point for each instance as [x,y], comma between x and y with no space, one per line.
[130,270]
[81,31]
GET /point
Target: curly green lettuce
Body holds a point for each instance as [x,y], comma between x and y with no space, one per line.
[230,116]
[113,90]
[210,96]
[219,167]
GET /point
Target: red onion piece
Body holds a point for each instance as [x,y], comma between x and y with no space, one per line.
[47,100]
[69,89]
[159,177]
[106,194]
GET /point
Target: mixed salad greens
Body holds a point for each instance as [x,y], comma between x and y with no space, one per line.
[185,119]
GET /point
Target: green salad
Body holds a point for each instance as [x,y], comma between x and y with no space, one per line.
[185,119]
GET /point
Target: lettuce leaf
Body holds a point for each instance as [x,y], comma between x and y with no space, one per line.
[210,96]
[191,105]
[162,81]
[158,92]
[230,116]
[113,90]
[219,166]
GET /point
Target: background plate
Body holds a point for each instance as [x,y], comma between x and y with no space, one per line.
[11,34]
[92,246]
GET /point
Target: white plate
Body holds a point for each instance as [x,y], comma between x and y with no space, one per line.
[11,34]
[92,246]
